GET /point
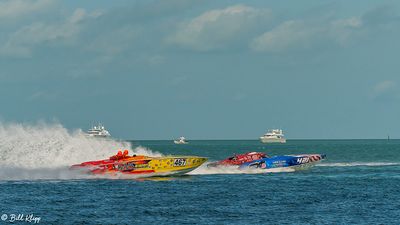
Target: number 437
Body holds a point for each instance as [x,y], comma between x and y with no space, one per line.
[179,162]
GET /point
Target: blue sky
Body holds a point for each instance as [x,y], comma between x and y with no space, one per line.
[203,69]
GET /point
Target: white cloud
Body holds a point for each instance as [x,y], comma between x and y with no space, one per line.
[304,34]
[77,16]
[21,42]
[329,31]
[342,31]
[352,22]
[384,86]
[11,9]
[385,90]
[217,28]
[288,34]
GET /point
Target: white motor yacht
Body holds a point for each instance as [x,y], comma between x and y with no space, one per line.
[181,140]
[98,131]
[273,136]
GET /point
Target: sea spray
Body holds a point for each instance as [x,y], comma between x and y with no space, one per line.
[47,150]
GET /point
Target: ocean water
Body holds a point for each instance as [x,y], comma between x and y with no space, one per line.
[358,183]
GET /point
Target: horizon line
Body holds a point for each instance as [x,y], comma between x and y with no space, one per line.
[294,139]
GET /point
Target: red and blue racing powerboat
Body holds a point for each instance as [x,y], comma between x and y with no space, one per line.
[263,161]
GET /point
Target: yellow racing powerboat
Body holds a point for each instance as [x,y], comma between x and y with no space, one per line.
[140,164]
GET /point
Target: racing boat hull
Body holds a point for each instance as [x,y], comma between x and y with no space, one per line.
[262,161]
[272,140]
[157,166]
[295,161]
[181,142]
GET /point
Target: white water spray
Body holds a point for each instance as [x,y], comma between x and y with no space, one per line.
[47,150]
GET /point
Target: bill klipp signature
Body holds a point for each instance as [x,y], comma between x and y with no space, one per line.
[29,218]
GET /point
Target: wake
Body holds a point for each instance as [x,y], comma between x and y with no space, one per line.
[353,164]
[204,170]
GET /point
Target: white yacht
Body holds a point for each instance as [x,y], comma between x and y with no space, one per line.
[273,136]
[181,140]
[98,131]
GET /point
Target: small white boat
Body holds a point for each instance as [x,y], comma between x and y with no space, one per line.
[273,136]
[181,140]
[98,131]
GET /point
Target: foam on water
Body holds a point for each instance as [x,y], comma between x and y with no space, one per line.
[204,170]
[16,173]
[45,151]
[351,164]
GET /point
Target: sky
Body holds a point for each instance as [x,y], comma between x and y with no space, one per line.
[157,69]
